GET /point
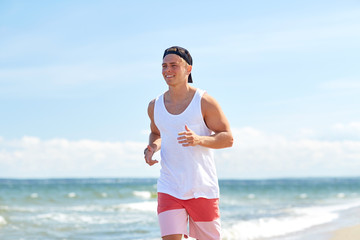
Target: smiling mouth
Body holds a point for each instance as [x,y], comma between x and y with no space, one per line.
[169,76]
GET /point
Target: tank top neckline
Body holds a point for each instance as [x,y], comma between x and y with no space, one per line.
[187,107]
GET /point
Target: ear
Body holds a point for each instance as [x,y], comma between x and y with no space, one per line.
[189,68]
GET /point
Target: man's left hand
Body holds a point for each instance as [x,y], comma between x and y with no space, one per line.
[188,138]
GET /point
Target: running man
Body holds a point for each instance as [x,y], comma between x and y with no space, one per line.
[186,124]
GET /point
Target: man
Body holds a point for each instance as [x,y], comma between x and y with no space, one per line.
[186,123]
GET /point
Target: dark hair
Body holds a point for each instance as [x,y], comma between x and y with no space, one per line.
[183,53]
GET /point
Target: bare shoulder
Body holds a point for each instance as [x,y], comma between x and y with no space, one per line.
[214,117]
[152,103]
[209,103]
[151,107]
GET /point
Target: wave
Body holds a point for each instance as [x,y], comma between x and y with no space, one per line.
[18,209]
[144,206]
[66,218]
[73,218]
[2,221]
[34,195]
[272,227]
[89,208]
[142,194]
[93,214]
[71,195]
[301,219]
[149,206]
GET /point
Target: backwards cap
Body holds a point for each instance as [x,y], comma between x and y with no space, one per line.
[183,53]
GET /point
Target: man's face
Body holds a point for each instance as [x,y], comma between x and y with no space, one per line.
[174,69]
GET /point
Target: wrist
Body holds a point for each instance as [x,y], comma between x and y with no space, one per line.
[152,147]
[200,141]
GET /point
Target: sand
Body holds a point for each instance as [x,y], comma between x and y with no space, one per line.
[349,233]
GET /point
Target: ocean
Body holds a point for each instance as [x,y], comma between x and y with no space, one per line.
[114,209]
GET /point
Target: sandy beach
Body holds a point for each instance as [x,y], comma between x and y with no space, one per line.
[349,233]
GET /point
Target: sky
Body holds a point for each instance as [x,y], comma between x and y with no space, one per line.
[76,78]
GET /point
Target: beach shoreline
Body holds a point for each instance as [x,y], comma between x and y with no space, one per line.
[283,209]
[347,233]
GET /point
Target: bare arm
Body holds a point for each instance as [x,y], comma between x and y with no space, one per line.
[154,137]
[216,121]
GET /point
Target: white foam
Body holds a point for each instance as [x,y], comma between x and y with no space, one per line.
[148,206]
[72,195]
[72,218]
[141,206]
[2,221]
[5,208]
[330,208]
[271,227]
[34,195]
[58,217]
[251,196]
[87,208]
[302,218]
[142,194]
[303,196]
[341,195]
[18,209]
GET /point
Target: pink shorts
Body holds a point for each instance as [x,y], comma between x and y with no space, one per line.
[203,216]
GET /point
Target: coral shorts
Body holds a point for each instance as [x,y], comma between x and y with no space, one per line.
[202,215]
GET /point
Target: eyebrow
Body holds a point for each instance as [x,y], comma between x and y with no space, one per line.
[170,63]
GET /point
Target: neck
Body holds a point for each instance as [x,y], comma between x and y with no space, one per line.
[179,93]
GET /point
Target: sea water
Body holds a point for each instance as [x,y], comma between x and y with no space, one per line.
[110,209]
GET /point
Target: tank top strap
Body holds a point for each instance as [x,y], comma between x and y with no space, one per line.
[200,92]
[197,98]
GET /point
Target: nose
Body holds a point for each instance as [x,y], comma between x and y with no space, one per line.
[166,69]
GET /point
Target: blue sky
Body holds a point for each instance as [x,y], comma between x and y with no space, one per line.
[76,78]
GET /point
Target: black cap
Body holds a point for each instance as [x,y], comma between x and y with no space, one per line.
[183,53]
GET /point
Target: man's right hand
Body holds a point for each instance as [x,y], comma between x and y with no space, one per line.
[148,154]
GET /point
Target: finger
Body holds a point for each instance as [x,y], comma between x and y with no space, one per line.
[186,141]
[149,148]
[183,138]
[185,134]
[147,157]
[152,162]
[187,128]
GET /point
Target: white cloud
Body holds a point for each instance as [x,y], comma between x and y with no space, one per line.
[258,154]
[350,127]
[255,154]
[33,157]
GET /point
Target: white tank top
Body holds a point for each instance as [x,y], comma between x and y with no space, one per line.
[186,172]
